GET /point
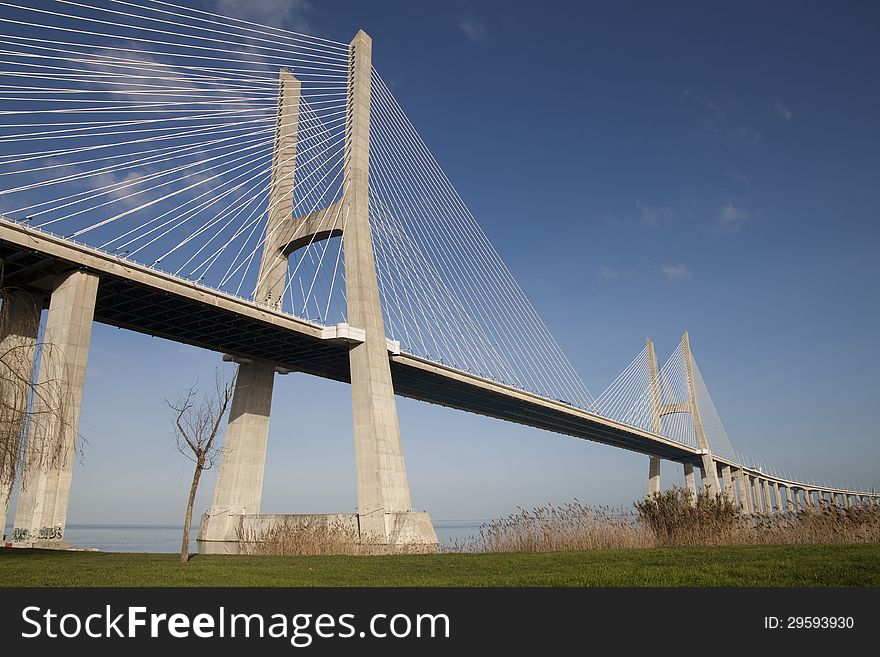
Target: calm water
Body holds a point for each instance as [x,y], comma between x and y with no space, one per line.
[166,538]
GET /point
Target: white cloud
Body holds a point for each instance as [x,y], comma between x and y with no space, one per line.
[730,217]
[473,29]
[290,14]
[782,110]
[675,272]
[609,272]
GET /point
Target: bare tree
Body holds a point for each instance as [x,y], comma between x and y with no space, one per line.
[197,423]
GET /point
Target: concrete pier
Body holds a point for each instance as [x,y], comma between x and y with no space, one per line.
[728,484]
[744,491]
[653,475]
[768,500]
[239,485]
[756,495]
[689,482]
[19,323]
[41,513]
[778,495]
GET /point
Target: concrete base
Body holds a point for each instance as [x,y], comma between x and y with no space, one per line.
[409,532]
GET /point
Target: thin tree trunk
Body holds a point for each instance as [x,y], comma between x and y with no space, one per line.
[187,524]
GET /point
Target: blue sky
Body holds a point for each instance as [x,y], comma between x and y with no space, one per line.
[642,169]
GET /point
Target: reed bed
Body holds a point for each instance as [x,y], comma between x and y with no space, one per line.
[307,536]
[672,518]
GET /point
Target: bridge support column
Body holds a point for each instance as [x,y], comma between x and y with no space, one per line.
[756,495]
[744,493]
[653,475]
[808,495]
[239,486]
[768,500]
[728,485]
[778,495]
[19,323]
[847,502]
[384,508]
[689,482]
[41,514]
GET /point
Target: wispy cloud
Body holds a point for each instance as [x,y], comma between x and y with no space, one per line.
[730,217]
[708,103]
[716,118]
[473,29]
[651,215]
[610,272]
[675,272]
[782,110]
[290,14]
[746,134]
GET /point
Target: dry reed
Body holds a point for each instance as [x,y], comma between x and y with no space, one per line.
[670,518]
[307,536]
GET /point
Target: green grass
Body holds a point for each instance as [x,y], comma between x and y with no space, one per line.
[783,565]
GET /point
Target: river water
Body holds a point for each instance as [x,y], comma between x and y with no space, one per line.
[166,538]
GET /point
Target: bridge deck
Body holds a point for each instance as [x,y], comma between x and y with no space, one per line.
[146,300]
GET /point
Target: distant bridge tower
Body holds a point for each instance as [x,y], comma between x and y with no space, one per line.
[660,409]
[385,514]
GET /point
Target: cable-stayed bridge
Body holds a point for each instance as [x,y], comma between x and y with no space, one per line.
[261,193]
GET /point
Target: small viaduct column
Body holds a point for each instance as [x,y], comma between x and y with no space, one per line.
[778,495]
[727,478]
[19,323]
[756,495]
[744,491]
[768,501]
[689,482]
[653,475]
[41,514]
[239,486]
